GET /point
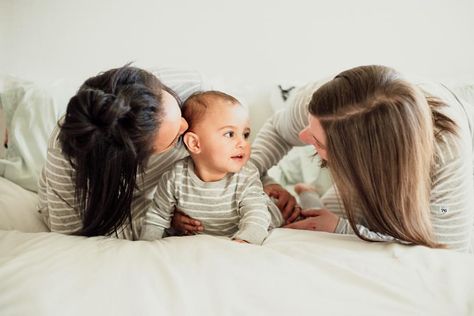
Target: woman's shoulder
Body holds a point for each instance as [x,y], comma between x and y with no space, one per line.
[53,142]
[453,154]
[455,107]
[452,146]
[447,147]
[307,90]
[182,81]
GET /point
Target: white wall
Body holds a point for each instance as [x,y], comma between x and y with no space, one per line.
[259,41]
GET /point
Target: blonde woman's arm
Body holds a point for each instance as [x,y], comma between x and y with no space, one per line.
[281,131]
[452,194]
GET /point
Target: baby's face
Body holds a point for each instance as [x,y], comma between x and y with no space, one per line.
[224,138]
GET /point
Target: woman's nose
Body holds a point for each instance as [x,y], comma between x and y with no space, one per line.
[183,126]
[305,137]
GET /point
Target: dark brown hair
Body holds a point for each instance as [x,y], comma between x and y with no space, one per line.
[108,135]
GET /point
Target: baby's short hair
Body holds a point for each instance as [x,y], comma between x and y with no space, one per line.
[196,105]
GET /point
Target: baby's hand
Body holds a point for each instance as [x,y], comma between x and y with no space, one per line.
[241,241]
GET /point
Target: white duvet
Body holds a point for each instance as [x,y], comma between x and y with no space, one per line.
[293,273]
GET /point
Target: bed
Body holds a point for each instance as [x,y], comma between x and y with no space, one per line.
[292,273]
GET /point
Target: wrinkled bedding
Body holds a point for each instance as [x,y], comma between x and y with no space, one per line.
[293,273]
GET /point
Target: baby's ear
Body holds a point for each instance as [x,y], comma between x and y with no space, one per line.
[192,142]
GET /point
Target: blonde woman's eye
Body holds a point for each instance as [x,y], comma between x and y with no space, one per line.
[247,135]
[229,134]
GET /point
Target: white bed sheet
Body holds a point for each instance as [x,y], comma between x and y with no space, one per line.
[293,273]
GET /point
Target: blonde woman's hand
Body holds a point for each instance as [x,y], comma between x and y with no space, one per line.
[185,225]
[286,202]
[316,219]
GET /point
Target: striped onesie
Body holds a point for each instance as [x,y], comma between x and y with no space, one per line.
[235,206]
[452,192]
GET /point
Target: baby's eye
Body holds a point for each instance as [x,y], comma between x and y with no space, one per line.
[246,135]
[229,134]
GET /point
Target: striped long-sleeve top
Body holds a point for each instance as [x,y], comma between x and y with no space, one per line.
[235,206]
[452,191]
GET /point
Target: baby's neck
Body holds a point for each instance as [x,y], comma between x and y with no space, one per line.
[205,173]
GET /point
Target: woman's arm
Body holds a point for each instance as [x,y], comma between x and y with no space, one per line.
[281,131]
[57,195]
[452,193]
[277,136]
[330,218]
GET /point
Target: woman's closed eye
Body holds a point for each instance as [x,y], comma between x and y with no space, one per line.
[318,144]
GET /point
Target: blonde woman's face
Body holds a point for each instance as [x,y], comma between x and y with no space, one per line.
[314,135]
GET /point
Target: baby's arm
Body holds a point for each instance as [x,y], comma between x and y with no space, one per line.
[253,209]
[158,215]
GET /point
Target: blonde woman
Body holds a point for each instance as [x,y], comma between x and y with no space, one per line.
[400,158]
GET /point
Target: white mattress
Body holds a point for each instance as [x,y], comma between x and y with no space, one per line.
[293,273]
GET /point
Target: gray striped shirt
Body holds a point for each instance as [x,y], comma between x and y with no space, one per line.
[235,206]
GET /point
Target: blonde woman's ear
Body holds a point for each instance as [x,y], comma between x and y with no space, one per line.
[192,142]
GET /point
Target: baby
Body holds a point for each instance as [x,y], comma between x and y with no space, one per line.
[215,185]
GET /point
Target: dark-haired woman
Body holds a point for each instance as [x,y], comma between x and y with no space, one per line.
[120,132]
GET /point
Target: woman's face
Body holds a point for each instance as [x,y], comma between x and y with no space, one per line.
[172,125]
[314,135]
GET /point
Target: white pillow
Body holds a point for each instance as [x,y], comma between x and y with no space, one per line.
[31,112]
[18,209]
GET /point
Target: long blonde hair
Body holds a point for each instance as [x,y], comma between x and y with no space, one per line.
[380,135]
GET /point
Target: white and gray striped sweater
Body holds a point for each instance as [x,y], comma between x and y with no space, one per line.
[235,206]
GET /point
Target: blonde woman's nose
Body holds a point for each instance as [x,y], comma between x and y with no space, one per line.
[305,136]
